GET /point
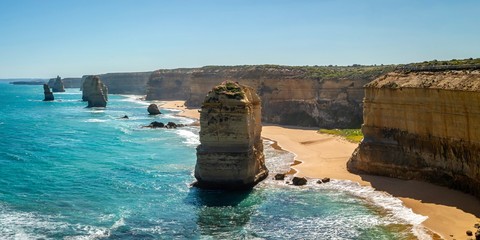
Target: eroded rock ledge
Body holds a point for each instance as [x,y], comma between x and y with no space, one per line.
[423,125]
[230,155]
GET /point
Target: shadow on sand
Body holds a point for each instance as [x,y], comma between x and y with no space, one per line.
[425,192]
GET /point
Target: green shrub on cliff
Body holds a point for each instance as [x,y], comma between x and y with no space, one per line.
[352,135]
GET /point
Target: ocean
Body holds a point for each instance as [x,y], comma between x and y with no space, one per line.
[69,172]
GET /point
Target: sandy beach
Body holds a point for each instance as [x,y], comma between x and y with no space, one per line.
[450,213]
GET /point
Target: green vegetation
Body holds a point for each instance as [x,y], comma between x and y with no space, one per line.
[453,62]
[352,135]
[230,89]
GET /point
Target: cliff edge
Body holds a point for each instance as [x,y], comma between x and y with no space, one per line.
[423,125]
[230,154]
[316,96]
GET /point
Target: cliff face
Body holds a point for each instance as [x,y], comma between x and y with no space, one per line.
[305,96]
[231,151]
[125,83]
[72,82]
[423,125]
[95,92]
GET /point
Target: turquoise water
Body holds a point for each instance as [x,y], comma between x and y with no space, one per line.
[68,172]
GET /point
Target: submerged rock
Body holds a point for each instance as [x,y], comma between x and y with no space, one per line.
[153,109]
[125,117]
[58,85]
[299,181]
[48,94]
[230,154]
[95,92]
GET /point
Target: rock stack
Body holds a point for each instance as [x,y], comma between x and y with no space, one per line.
[423,125]
[95,92]
[58,85]
[230,154]
[48,94]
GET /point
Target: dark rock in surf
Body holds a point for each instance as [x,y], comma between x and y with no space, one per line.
[48,94]
[153,109]
[299,181]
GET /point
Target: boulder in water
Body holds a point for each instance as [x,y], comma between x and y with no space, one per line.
[153,109]
[299,181]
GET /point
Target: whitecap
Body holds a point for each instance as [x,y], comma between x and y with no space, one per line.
[190,137]
[26,225]
[135,99]
[95,120]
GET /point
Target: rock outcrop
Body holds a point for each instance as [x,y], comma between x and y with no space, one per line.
[95,92]
[230,154]
[153,109]
[58,85]
[48,94]
[329,97]
[423,125]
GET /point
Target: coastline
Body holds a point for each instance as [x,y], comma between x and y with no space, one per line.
[450,213]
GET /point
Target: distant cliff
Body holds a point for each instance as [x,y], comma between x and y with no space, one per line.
[125,83]
[72,82]
[329,97]
[423,123]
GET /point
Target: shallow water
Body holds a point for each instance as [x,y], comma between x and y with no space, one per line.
[68,172]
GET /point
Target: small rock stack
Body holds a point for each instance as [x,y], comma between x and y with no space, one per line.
[48,94]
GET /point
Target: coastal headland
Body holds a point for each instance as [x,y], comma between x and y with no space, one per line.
[450,212]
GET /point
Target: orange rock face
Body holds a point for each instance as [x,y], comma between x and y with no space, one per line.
[423,125]
[230,155]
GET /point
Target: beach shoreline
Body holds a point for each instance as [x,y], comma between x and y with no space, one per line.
[450,213]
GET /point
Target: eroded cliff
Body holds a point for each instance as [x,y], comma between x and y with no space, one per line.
[423,125]
[230,154]
[124,83]
[329,97]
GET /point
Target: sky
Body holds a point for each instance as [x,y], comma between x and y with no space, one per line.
[72,38]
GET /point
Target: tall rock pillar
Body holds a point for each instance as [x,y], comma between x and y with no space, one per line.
[230,154]
[95,92]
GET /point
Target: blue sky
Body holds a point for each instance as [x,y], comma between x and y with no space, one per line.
[45,38]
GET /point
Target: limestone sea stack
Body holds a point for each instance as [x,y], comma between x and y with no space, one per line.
[48,94]
[153,109]
[58,85]
[230,154]
[95,92]
[423,124]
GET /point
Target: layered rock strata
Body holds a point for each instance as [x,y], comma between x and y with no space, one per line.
[423,125]
[47,93]
[125,83]
[94,92]
[58,85]
[328,97]
[230,154]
